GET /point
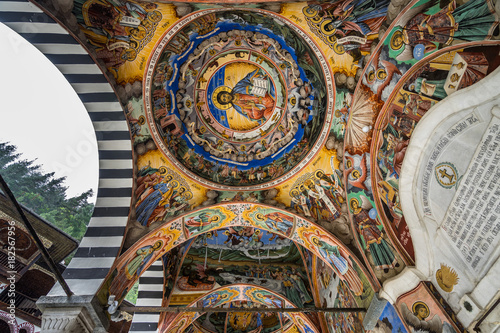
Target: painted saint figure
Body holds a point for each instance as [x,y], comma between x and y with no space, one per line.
[161,194]
[253,96]
[382,255]
[143,256]
[200,222]
[332,255]
[475,20]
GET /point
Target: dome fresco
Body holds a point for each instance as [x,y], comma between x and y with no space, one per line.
[256,154]
[238,98]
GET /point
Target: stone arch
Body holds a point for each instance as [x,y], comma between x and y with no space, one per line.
[105,231]
[155,244]
[237,292]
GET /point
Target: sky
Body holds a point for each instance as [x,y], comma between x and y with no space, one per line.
[42,115]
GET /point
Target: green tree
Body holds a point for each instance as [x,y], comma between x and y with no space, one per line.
[44,193]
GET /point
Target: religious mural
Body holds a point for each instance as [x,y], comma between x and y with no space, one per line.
[306,106]
[234,226]
[333,293]
[161,192]
[236,104]
[248,255]
[118,31]
[423,310]
[238,293]
[392,97]
[389,321]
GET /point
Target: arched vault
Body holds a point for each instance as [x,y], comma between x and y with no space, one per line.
[232,293]
[152,246]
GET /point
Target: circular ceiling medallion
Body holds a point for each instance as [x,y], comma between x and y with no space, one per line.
[238,100]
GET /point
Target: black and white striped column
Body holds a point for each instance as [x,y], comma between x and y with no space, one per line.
[150,294]
[104,236]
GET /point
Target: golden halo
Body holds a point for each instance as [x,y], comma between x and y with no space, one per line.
[296,191]
[352,201]
[260,217]
[396,45]
[175,184]
[142,120]
[318,172]
[162,170]
[339,48]
[324,24]
[316,19]
[310,11]
[187,195]
[381,74]
[154,16]
[414,306]
[216,92]
[332,39]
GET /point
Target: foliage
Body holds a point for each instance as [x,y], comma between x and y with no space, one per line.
[44,193]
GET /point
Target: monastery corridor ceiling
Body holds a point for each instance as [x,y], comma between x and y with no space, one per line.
[269,141]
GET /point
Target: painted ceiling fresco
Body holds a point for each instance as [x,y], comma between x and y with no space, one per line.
[268,142]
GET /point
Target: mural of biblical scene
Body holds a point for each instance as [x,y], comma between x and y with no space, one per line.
[199,222]
[389,321]
[139,131]
[432,25]
[425,28]
[422,312]
[347,26]
[333,293]
[248,196]
[239,322]
[318,192]
[119,284]
[245,255]
[172,261]
[429,84]
[243,322]
[309,259]
[372,237]
[161,193]
[237,98]
[339,259]
[318,195]
[344,322]
[117,30]
[271,219]
[445,74]
[366,222]
[343,100]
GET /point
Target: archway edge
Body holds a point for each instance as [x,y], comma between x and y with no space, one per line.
[129,266]
[238,292]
